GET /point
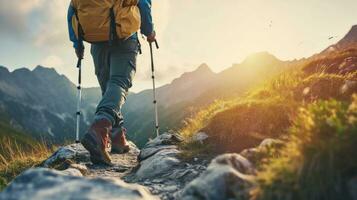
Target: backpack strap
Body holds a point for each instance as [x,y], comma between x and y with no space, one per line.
[112,29]
[80,30]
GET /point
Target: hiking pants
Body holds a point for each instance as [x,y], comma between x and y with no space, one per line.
[115,67]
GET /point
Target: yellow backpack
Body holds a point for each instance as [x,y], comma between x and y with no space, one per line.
[105,20]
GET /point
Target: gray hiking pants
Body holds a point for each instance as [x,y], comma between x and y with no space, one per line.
[115,67]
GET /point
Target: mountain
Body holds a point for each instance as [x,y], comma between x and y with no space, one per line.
[348,41]
[42,102]
[11,137]
[194,90]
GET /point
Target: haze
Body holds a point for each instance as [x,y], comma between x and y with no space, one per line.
[190,32]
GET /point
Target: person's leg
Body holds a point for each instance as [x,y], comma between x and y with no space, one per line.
[122,69]
[96,139]
[100,55]
[121,59]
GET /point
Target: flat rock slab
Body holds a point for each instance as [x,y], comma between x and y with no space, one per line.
[161,170]
[229,176]
[75,152]
[44,184]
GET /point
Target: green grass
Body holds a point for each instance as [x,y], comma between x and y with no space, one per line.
[310,107]
[18,152]
[269,109]
[319,159]
[248,123]
[22,139]
[191,149]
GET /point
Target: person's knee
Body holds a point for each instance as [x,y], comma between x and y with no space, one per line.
[121,81]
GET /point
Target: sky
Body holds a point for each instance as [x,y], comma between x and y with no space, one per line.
[190,32]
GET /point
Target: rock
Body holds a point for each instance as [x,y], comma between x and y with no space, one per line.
[44,184]
[82,168]
[184,175]
[237,161]
[72,172]
[170,188]
[70,152]
[224,178]
[254,154]
[349,65]
[158,156]
[160,169]
[306,91]
[349,86]
[164,139]
[267,143]
[199,137]
[352,187]
[150,151]
[133,148]
[250,154]
[159,163]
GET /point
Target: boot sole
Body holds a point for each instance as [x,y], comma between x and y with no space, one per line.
[96,155]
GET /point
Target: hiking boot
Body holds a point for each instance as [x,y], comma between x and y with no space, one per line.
[119,143]
[96,141]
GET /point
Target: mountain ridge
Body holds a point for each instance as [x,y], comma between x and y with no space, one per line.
[37,104]
[348,41]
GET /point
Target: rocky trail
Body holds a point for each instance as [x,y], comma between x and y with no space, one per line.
[155,172]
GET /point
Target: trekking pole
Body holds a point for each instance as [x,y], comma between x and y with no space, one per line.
[154,88]
[79,95]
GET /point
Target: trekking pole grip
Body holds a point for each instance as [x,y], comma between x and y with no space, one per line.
[79,66]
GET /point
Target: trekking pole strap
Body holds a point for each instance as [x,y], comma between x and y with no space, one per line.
[157,44]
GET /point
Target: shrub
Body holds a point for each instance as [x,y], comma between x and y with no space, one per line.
[193,125]
[279,86]
[337,62]
[322,87]
[319,159]
[248,123]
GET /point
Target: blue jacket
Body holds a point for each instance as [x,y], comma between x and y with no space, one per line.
[147,26]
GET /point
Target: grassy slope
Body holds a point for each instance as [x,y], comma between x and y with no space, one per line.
[18,152]
[302,106]
[9,133]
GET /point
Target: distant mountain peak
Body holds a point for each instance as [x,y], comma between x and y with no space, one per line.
[203,68]
[201,72]
[348,41]
[21,70]
[263,56]
[42,69]
[351,36]
[354,29]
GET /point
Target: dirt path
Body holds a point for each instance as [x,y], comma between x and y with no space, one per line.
[122,165]
[156,167]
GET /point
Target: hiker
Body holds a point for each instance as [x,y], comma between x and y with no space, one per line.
[111,27]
